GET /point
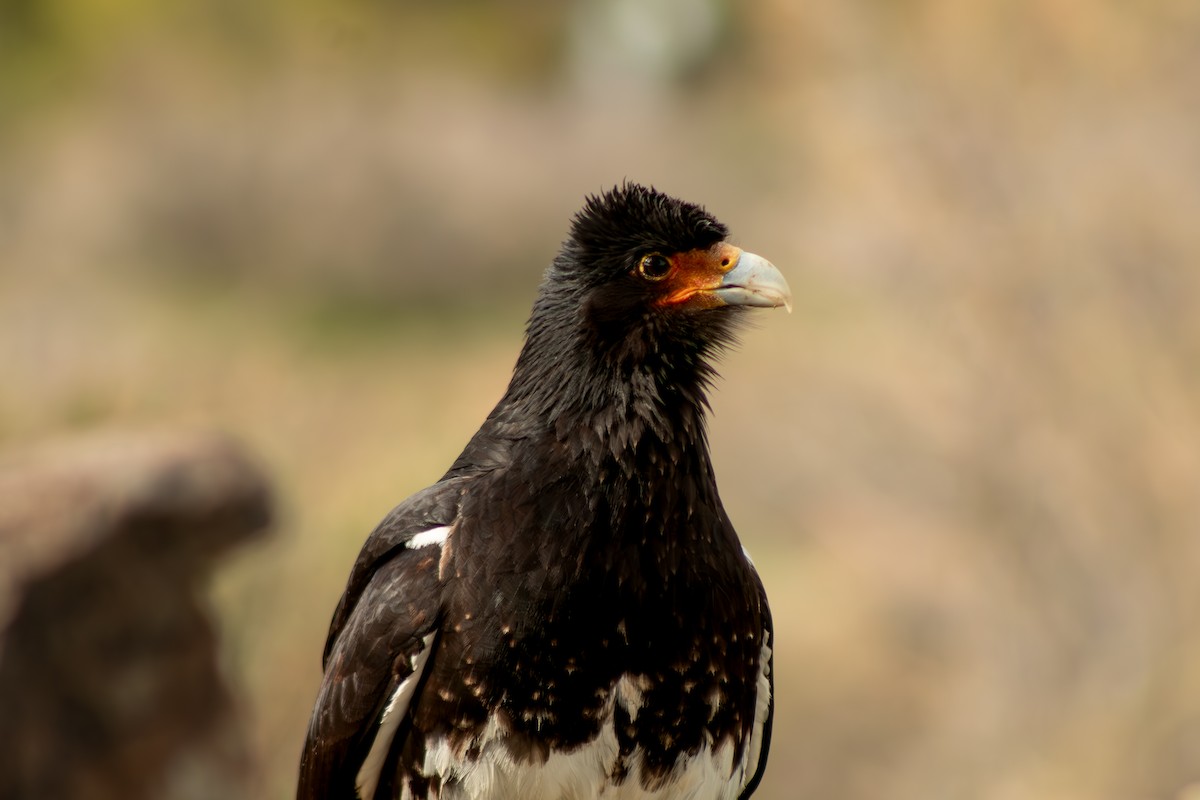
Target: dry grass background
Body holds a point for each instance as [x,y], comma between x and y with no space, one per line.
[968,465]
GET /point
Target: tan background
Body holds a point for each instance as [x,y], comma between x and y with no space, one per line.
[968,465]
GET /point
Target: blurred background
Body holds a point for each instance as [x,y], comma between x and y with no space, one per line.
[968,465]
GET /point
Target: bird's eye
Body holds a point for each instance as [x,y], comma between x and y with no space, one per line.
[654,267]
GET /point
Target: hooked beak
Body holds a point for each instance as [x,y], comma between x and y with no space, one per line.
[753,281]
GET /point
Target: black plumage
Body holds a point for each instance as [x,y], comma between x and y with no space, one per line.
[568,612]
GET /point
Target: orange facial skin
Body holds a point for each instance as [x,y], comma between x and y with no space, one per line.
[695,273]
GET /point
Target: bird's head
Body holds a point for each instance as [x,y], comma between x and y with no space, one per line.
[638,254]
[643,291]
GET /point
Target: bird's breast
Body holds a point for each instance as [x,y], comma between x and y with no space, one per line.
[591,644]
[501,763]
[646,688]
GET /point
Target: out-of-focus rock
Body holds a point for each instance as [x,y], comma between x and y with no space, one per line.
[109,677]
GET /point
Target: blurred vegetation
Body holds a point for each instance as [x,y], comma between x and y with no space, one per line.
[969,465]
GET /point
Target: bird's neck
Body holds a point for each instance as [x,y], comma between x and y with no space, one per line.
[631,396]
[615,448]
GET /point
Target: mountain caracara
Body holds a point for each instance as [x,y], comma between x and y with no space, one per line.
[568,613]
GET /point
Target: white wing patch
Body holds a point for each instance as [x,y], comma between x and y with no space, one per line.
[762,710]
[368,774]
[425,538]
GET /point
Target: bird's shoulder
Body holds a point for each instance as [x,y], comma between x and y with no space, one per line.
[425,515]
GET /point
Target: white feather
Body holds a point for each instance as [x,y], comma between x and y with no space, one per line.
[432,536]
[368,774]
[762,709]
[582,773]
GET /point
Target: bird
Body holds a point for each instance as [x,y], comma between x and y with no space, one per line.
[568,613]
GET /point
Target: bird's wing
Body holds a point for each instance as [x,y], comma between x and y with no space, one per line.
[383,634]
[764,708]
[431,508]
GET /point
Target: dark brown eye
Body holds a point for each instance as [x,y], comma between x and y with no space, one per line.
[654,267]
